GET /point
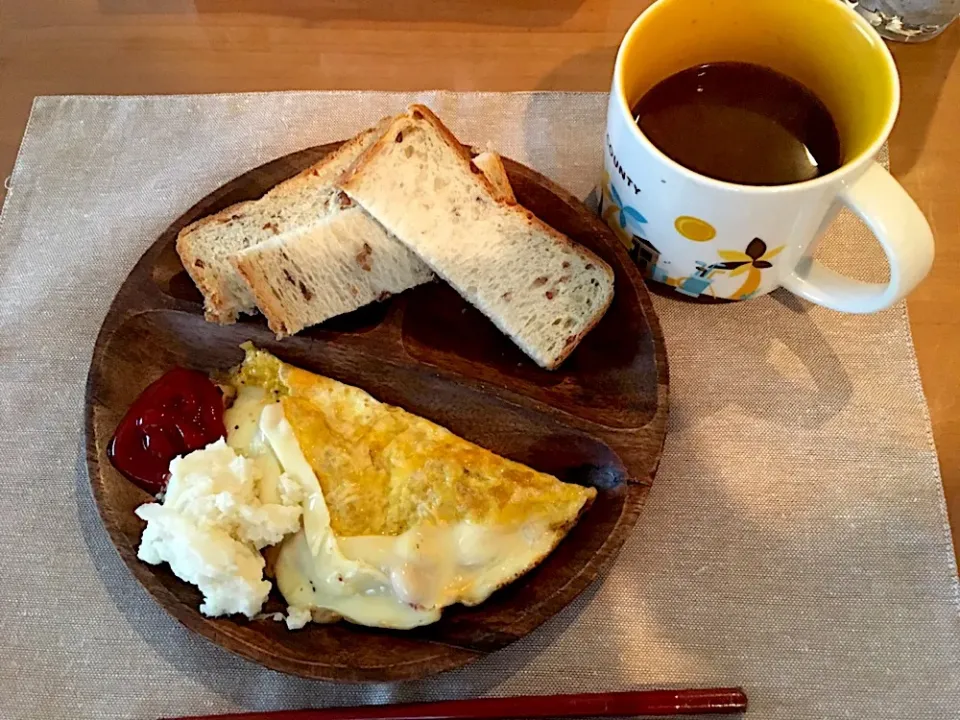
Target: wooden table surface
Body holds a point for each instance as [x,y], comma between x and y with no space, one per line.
[197,46]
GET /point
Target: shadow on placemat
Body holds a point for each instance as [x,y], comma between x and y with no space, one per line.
[784,359]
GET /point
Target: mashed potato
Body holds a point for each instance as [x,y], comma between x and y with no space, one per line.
[212,524]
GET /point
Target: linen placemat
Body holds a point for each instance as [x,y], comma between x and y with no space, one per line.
[795,540]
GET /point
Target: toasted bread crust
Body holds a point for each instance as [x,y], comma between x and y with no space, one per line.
[419,113]
[218,305]
[491,164]
[582,334]
[534,220]
[278,320]
[215,308]
[344,183]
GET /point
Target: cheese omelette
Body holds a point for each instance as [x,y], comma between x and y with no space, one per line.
[401,517]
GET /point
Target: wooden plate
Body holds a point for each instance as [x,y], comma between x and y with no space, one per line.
[600,419]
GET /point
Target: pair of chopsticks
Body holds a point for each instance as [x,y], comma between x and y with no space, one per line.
[639,703]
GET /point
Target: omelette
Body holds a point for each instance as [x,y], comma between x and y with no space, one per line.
[401,518]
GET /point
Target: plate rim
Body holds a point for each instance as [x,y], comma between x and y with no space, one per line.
[453,656]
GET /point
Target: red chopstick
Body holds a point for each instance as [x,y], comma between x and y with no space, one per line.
[657,703]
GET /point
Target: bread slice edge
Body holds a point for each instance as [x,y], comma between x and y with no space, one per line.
[417,113]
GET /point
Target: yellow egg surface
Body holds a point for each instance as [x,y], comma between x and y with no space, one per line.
[384,471]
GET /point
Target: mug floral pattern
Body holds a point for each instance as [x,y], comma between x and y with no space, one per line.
[617,214]
[627,222]
[750,262]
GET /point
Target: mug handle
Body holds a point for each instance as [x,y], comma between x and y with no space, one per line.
[903,233]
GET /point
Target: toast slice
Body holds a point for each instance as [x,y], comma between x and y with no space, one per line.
[536,285]
[327,268]
[491,165]
[340,263]
[206,245]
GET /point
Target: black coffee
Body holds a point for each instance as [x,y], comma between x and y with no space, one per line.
[742,123]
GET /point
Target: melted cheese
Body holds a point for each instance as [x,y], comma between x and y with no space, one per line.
[392,581]
[432,566]
[312,571]
[242,420]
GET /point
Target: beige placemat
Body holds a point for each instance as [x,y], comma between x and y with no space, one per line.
[794,542]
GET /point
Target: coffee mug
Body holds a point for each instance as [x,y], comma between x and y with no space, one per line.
[716,239]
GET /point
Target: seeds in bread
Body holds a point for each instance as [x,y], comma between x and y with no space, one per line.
[537,286]
[206,245]
[337,264]
[330,267]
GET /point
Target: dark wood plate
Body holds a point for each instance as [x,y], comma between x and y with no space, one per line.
[600,420]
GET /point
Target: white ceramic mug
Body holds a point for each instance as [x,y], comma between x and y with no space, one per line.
[706,237]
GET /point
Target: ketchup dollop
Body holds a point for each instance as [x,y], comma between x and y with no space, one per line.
[180,412]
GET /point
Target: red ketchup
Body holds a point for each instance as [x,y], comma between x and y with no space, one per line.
[180,412]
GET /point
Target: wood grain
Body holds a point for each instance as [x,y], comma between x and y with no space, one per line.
[184,46]
[599,420]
